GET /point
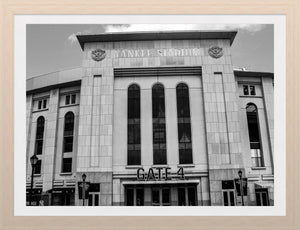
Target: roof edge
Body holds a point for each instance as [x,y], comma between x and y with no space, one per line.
[242,73]
[156,35]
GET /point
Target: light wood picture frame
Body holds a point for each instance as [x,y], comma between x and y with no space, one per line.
[10,8]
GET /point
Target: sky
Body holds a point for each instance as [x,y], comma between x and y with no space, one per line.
[53,47]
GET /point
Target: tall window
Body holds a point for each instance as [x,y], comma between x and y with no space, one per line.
[39,138]
[184,124]
[134,126]
[254,136]
[67,164]
[159,125]
[68,142]
[68,132]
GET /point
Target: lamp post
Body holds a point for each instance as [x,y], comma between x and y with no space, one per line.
[33,161]
[241,186]
[83,188]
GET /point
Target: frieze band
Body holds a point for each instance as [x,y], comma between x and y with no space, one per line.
[99,54]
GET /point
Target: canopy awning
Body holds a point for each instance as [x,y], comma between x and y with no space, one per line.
[62,190]
[142,182]
[259,185]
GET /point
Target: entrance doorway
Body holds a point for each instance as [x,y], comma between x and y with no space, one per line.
[187,196]
[134,196]
[262,197]
[94,199]
[94,194]
[161,196]
[228,193]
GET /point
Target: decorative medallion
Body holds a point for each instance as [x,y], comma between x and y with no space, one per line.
[215,52]
[98,55]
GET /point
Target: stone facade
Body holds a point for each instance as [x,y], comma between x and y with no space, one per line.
[220,138]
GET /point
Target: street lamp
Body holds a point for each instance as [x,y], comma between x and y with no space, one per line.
[241,186]
[33,161]
[83,188]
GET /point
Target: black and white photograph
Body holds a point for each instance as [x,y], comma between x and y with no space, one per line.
[152,115]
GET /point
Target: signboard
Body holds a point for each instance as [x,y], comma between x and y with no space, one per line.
[34,191]
[238,186]
[169,52]
[86,187]
[99,54]
[158,173]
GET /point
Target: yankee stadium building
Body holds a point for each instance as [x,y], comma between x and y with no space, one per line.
[151,118]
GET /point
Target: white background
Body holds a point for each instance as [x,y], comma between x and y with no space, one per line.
[279,207]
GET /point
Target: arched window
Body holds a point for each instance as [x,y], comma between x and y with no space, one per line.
[159,125]
[39,137]
[68,142]
[254,135]
[133,126]
[184,124]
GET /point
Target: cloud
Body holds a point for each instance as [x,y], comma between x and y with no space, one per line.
[116,28]
[97,29]
[72,38]
[251,28]
[112,28]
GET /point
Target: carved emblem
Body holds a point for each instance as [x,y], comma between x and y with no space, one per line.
[215,52]
[98,54]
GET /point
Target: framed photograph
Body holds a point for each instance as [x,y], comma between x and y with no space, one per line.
[162,121]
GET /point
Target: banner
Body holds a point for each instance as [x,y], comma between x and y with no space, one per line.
[238,186]
[80,187]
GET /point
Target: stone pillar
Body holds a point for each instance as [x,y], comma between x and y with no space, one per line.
[146,127]
[94,157]
[147,195]
[268,95]
[174,196]
[199,194]
[205,191]
[50,140]
[116,192]
[95,124]
[221,117]
[171,127]
[29,104]
[122,194]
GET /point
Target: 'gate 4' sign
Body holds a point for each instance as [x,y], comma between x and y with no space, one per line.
[160,173]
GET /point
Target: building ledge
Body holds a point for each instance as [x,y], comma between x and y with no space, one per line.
[40,110]
[156,35]
[258,168]
[176,181]
[133,166]
[251,96]
[66,174]
[71,105]
[159,166]
[185,166]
